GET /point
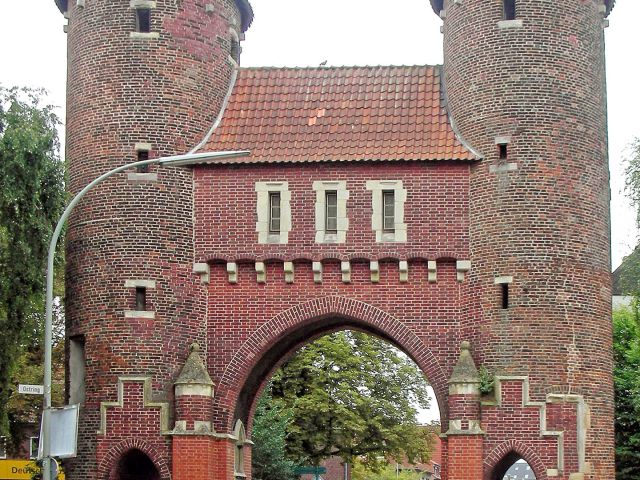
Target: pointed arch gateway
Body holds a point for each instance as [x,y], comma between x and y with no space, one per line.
[503,457]
[279,337]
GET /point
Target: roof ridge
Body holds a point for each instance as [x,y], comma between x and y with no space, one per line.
[341,67]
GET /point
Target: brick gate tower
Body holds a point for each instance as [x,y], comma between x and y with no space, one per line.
[458,211]
[525,81]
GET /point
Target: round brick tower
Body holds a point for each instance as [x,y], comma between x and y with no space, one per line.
[525,84]
[145,79]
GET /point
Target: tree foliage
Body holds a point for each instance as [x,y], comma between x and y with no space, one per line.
[626,328]
[390,472]
[31,200]
[632,177]
[269,460]
[354,396]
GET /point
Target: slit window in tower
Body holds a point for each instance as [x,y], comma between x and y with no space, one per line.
[505,295]
[141,299]
[143,155]
[502,151]
[143,20]
[509,9]
[235,50]
[274,212]
[388,211]
[331,213]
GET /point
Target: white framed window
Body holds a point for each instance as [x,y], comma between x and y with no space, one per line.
[3,448]
[387,210]
[33,447]
[331,211]
[274,212]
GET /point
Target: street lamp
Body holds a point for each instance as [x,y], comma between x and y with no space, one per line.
[172,161]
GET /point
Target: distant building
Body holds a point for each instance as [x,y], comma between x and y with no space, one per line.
[625,281]
[520,471]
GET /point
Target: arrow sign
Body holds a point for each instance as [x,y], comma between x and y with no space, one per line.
[31,389]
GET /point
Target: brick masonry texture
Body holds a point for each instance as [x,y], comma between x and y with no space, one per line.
[547,223]
[121,91]
[543,221]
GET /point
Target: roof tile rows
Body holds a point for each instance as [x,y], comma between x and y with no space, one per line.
[338,114]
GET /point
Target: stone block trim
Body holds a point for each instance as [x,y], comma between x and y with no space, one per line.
[147,403]
[400,227]
[321,187]
[562,430]
[263,189]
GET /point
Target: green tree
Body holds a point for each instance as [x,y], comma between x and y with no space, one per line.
[632,177]
[31,200]
[353,395]
[390,472]
[268,456]
[626,329]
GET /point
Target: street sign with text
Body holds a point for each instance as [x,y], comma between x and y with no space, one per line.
[31,389]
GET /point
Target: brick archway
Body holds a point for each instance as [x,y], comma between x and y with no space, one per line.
[110,460]
[501,453]
[269,345]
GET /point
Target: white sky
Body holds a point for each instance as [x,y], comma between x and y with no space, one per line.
[343,32]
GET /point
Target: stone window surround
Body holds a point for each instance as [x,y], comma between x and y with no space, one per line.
[140,176]
[148,284]
[150,4]
[262,209]
[399,235]
[321,188]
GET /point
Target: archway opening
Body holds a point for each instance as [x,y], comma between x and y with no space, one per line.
[136,465]
[513,467]
[350,400]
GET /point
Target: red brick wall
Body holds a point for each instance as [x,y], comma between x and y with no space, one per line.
[547,223]
[465,458]
[166,92]
[248,331]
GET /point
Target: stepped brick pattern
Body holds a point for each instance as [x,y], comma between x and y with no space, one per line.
[184,301]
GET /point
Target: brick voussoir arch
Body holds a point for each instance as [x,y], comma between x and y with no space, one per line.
[355,313]
[521,449]
[110,460]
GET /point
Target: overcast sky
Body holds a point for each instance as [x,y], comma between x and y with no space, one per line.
[343,32]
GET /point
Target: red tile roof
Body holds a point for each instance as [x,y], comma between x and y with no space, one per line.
[338,114]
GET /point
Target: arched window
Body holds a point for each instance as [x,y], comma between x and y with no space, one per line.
[241,439]
[136,465]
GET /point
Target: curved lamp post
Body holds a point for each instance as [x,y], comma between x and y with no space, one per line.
[172,161]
